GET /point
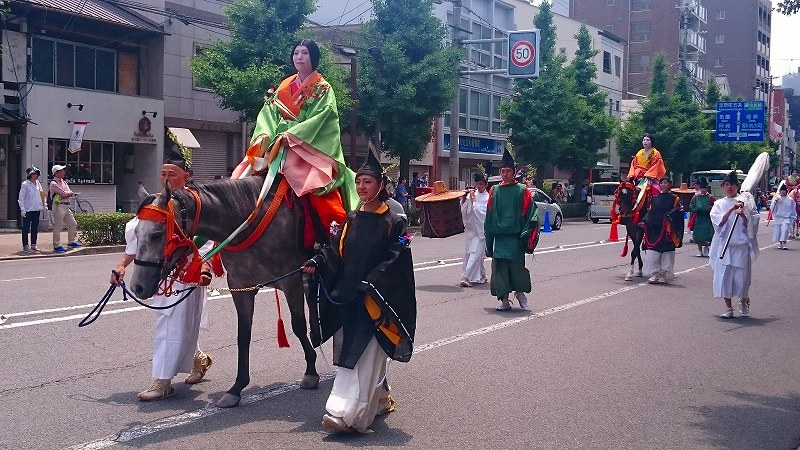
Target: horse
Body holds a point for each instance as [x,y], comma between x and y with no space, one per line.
[625,199]
[214,210]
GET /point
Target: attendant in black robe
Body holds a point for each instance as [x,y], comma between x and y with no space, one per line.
[366,303]
[663,233]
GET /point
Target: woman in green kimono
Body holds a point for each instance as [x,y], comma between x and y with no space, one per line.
[299,124]
[703,230]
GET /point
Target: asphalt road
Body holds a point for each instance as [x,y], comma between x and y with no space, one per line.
[597,363]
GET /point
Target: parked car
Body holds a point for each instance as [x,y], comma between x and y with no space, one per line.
[600,198]
[543,202]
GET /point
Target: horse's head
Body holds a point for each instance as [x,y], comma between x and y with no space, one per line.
[626,197]
[157,256]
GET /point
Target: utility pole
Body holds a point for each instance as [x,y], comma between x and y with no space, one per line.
[455,107]
[353,114]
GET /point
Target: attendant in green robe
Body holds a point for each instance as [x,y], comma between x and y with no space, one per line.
[510,212]
[703,230]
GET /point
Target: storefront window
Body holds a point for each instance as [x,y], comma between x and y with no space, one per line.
[93,164]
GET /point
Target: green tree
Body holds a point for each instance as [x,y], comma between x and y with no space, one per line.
[409,78]
[789,7]
[594,126]
[241,69]
[544,110]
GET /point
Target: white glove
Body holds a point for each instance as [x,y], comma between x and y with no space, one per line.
[23,213]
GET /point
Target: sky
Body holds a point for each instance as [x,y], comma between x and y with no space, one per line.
[784,51]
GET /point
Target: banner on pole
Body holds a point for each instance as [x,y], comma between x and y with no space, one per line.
[75,141]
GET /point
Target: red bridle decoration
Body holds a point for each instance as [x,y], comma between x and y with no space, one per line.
[188,268]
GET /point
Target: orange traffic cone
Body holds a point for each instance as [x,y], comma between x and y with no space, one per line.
[613,236]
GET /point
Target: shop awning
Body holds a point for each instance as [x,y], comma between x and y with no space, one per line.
[603,166]
[101,10]
[184,137]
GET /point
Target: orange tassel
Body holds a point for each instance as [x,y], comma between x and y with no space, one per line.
[282,340]
[625,248]
[216,265]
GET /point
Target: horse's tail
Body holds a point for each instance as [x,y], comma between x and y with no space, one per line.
[625,248]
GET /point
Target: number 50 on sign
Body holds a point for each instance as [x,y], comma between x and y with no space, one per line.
[523,54]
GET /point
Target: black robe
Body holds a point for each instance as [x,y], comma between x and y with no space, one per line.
[367,260]
[663,223]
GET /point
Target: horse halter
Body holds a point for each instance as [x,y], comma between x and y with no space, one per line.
[188,268]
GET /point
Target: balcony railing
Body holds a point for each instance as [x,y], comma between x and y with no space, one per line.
[694,39]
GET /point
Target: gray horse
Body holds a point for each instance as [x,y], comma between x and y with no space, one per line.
[225,204]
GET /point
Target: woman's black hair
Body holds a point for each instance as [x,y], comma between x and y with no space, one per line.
[313,51]
[652,141]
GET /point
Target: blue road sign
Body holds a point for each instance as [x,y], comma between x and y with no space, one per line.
[740,121]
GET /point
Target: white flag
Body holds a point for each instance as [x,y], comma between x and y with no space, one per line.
[75,141]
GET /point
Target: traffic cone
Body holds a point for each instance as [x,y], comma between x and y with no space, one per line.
[613,237]
[547,228]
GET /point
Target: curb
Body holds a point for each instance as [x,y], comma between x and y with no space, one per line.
[98,250]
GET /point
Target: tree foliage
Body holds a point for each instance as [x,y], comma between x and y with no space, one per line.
[257,56]
[409,77]
[789,7]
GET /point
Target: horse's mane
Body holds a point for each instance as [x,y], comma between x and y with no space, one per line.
[235,196]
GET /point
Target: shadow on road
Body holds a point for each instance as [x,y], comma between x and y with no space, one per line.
[440,288]
[759,421]
[745,322]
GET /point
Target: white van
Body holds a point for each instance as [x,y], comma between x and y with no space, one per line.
[600,198]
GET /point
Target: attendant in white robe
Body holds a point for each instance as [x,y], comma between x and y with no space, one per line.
[177,329]
[473,211]
[732,271]
[784,213]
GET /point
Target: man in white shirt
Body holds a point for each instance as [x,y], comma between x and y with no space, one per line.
[473,211]
[62,195]
[735,230]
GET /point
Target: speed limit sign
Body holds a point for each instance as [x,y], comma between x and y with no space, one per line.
[523,54]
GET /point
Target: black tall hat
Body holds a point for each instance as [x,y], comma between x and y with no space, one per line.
[371,166]
[177,159]
[478,176]
[703,183]
[731,178]
[508,160]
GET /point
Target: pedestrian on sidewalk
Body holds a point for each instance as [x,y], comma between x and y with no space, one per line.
[177,330]
[784,213]
[371,310]
[663,233]
[62,196]
[31,204]
[735,231]
[473,211]
[509,213]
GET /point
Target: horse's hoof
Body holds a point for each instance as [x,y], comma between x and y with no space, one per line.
[628,278]
[639,274]
[309,382]
[229,401]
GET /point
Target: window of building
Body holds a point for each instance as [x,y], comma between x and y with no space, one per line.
[462,109]
[640,31]
[720,14]
[641,5]
[562,51]
[606,62]
[92,164]
[479,111]
[617,66]
[497,119]
[500,51]
[640,63]
[720,38]
[717,62]
[609,2]
[73,65]
[196,84]
[617,106]
[610,28]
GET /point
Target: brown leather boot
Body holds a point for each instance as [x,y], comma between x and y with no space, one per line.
[202,361]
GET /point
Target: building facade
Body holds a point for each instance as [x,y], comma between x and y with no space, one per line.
[739,39]
[649,27]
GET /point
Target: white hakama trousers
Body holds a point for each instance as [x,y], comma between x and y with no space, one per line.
[732,281]
[656,263]
[355,397]
[781,231]
[473,269]
[176,334]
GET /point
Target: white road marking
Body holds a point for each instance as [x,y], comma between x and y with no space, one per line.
[166,423]
[23,279]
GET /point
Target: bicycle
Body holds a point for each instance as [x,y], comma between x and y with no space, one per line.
[79,206]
